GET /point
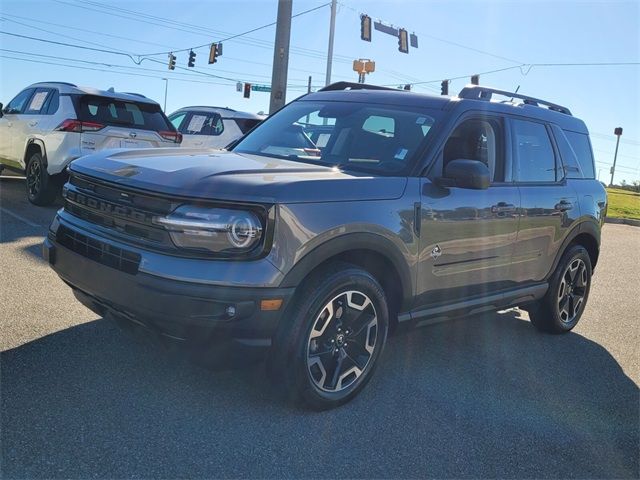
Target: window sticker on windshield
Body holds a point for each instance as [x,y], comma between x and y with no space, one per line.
[37,101]
[402,152]
[420,120]
[196,123]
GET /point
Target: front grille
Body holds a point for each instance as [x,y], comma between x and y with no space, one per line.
[108,255]
[128,215]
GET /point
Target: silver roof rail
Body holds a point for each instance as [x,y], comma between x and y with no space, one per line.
[476,92]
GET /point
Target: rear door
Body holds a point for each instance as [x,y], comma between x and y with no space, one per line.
[549,206]
[34,121]
[202,129]
[112,123]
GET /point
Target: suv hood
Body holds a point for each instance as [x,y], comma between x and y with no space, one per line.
[221,175]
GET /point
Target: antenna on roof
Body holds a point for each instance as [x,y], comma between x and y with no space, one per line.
[111,89]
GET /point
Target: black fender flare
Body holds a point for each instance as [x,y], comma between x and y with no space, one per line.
[590,226]
[39,143]
[344,243]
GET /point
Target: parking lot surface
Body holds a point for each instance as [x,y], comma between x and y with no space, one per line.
[486,396]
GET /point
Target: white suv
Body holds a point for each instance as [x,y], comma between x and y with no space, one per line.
[49,124]
[212,127]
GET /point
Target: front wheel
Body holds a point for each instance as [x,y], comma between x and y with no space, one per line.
[562,306]
[328,346]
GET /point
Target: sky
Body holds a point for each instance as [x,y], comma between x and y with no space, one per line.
[456,39]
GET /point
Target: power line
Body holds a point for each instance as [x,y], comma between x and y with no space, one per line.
[239,34]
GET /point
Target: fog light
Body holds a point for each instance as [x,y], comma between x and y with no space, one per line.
[270,305]
[230,311]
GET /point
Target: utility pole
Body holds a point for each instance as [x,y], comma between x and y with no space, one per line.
[618,133]
[166,87]
[309,85]
[332,29]
[281,56]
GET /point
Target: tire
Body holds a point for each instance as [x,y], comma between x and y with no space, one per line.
[562,306]
[41,187]
[329,342]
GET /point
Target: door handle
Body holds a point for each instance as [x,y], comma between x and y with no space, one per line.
[33,124]
[503,207]
[563,206]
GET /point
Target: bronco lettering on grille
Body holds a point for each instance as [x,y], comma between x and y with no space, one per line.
[104,206]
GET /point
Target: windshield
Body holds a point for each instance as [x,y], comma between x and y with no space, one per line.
[353,136]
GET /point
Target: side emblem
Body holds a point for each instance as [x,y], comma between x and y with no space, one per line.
[436,252]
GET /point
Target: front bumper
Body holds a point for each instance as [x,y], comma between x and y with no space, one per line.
[193,312]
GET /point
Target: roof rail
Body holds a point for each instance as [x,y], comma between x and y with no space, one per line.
[353,86]
[59,83]
[476,92]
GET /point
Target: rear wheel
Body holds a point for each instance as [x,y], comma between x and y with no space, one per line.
[561,308]
[328,346]
[41,188]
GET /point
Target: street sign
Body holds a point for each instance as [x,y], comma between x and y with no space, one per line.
[260,88]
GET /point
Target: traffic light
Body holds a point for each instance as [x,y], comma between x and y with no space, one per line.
[444,87]
[247,90]
[365,28]
[192,59]
[172,61]
[475,79]
[213,53]
[403,41]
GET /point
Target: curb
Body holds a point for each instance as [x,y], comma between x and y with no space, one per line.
[625,221]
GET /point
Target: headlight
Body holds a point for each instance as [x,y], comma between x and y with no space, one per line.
[218,230]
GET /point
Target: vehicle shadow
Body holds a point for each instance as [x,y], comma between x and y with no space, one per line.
[479,397]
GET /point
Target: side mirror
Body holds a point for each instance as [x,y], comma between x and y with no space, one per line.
[465,174]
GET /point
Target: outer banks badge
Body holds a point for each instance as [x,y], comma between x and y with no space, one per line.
[436,252]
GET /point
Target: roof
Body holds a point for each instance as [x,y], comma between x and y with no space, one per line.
[363,93]
[222,111]
[70,88]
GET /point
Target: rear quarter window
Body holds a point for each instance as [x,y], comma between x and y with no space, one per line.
[582,148]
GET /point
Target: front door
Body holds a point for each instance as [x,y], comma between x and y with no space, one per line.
[467,236]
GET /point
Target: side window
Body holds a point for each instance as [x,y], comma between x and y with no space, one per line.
[202,123]
[18,104]
[478,139]
[177,119]
[582,149]
[533,153]
[38,102]
[385,126]
[246,124]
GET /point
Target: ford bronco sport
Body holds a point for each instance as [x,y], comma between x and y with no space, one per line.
[403,209]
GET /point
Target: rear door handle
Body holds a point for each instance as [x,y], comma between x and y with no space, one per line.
[503,207]
[33,124]
[563,206]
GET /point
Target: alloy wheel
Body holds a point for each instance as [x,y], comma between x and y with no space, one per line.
[342,341]
[33,177]
[572,290]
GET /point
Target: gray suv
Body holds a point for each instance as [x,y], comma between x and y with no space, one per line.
[347,213]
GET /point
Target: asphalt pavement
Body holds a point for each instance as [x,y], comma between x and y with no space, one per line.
[486,396]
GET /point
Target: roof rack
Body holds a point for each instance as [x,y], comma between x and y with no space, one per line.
[476,92]
[354,86]
[209,106]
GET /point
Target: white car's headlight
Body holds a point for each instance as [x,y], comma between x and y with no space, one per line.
[217,230]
